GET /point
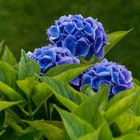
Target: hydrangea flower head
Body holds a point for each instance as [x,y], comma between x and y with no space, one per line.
[50,56]
[82,36]
[116,76]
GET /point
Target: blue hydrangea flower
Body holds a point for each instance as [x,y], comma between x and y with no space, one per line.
[50,56]
[82,36]
[116,76]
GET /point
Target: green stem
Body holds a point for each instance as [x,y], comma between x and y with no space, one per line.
[47,109]
[30,109]
[22,109]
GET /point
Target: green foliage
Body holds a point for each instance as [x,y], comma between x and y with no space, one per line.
[75,126]
[35,107]
[113,38]
[71,73]
[6,104]
[118,108]
[8,74]
[8,57]
[27,67]
[10,92]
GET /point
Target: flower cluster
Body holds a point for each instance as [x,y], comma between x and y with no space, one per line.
[116,76]
[82,36]
[50,56]
[74,36]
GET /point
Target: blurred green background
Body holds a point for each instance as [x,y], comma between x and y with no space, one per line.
[23,24]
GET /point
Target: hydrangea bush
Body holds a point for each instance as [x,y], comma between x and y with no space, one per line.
[68,90]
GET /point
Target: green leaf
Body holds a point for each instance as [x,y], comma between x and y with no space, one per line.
[10,135]
[94,106]
[27,66]
[1,45]
[62,68]
[114,38]
[7,104]
[51,132]
[91,136]
[105,132]
[8,57]
[121,106]
[10,93]
[102,133]
[41,94]
[7,74]
[56,123]
[136,81]
[66,102]
[75,126]
[64,89]
[128,118]
[13,116]
[87,90]
[27,85]
[2,132]
[136,107]
[121,95]
[70,74]
[19,131]
[91,106]
[130,136]
[1,48]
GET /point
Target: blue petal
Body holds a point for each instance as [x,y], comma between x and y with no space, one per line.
[76,81]
[95,82]
[89,30]
[37,53]
[65,52]
[64,60]
[76,60]
[47,67]
[98,81]
[79,25]
[98,33]
[82,47]
[86,79]
[45,61]
[116,89]
[70,43]
[58,57]
[79,34]
[102,71]
[69,28]
[30,54]
[98,44]
[92,22]
[53,32]
[127,75]
[100,54]
[105,80]
[115,77]
[50,53]
[78,17]
[90,53]
[115,69]
[122,78]
[130,85]
[91,39]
